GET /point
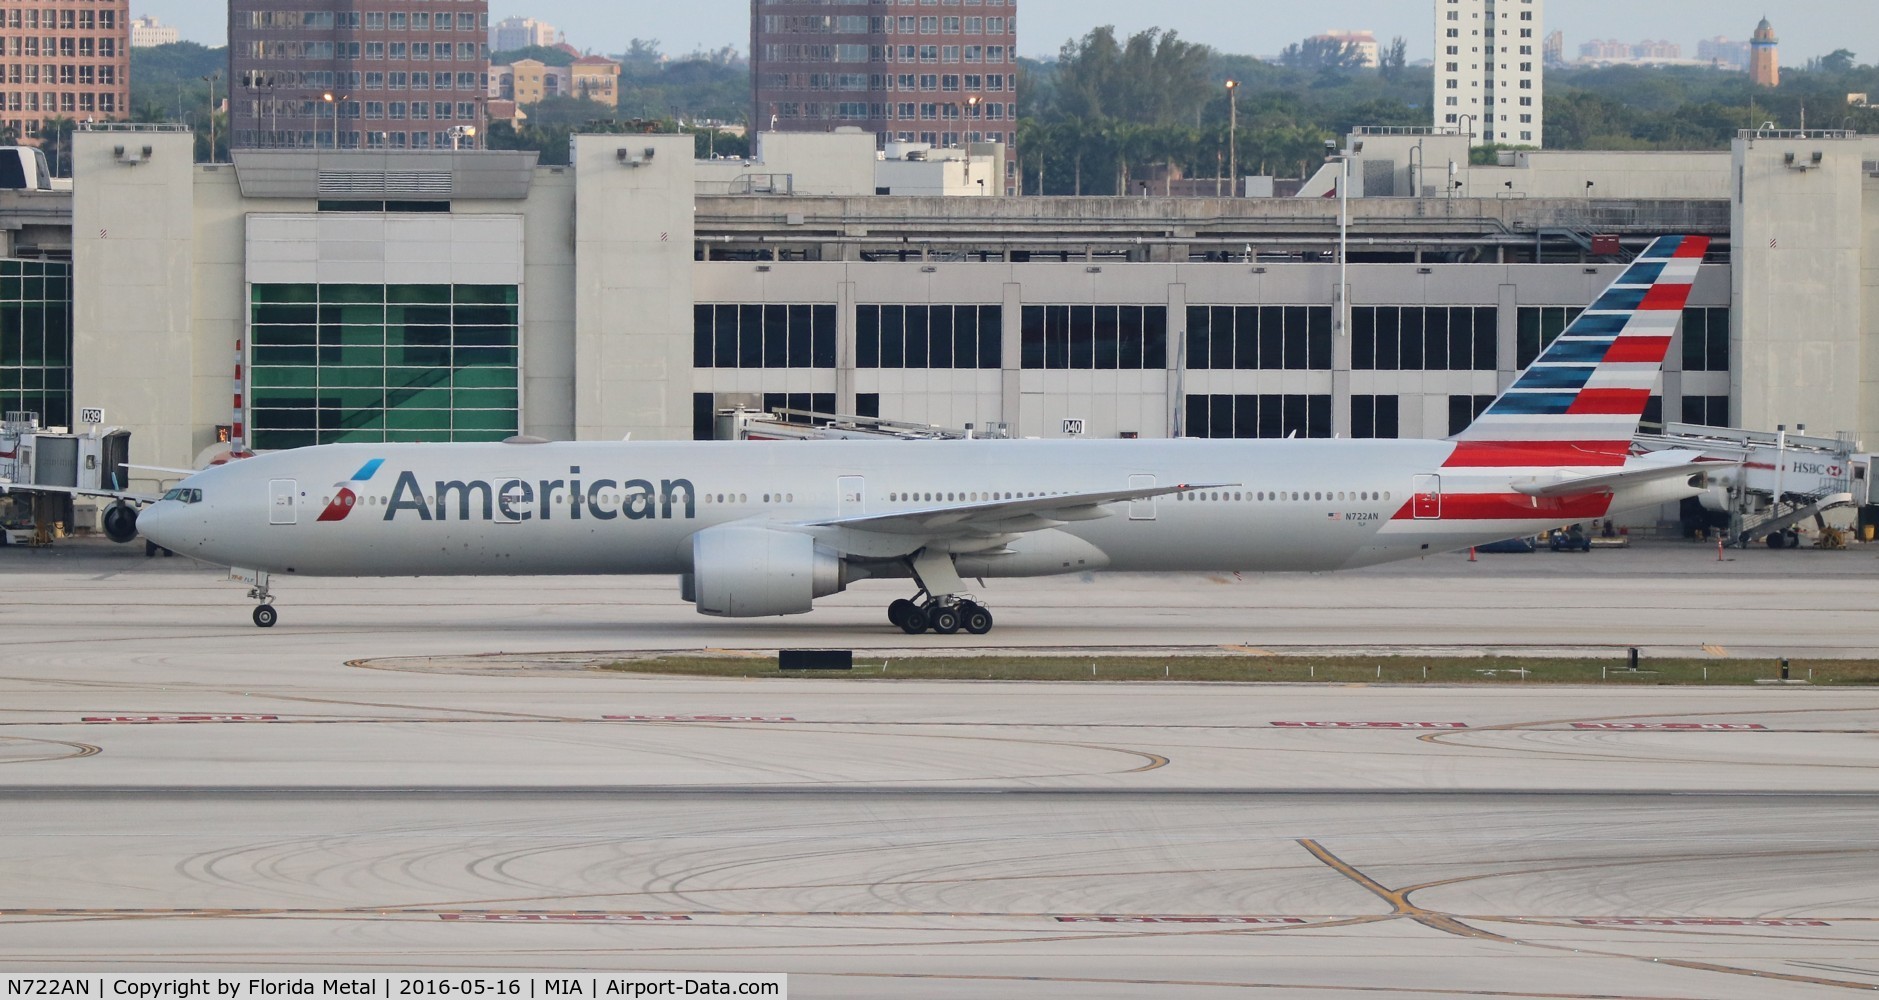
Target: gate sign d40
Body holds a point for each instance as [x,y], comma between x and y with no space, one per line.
[1073,426]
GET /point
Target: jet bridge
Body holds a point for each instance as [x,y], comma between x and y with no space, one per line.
[1774,481]
[46,473]
[783,424]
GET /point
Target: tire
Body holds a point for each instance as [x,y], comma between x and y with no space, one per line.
[1794,539]
[898,610]
[913,622]
[265,616]
[978,621]
[150,548]
[946,621]
[1777,540]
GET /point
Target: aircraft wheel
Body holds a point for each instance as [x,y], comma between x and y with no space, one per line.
[1777,540]
[946,621]
[265,616]
[898,610]
[913,622]
[978,621]
[150,548]
[1794,539]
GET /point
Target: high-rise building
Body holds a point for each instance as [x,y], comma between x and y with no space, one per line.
[403,74]
[147,32]
[944,75]
[1488,76]
[1723,51]
[64,62]
[513,33]
[1765,56]
[1363,43]
[1553,49]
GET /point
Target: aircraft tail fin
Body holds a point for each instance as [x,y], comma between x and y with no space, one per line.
[1579,402]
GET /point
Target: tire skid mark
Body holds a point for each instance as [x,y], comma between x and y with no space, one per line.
[1453,924]
[71,751]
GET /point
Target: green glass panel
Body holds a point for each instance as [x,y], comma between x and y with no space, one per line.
[417,420]
[484,378]
[273,440]
[352,357]
[417,293]
[489,294]
[485,399]
[489,420]
[418,335]
[282,397]
[354,399]
[264,314]
[267,378]
[436,399]
[284,336]
[353,435]
[370,314]
[485,315]
[359,336]
[416,436]
[33,378]
[485,336]
[10,268]
[10,379]
[416,377]
[418,315]
[419,357]
[352,378]
[283,293]
[484,357]
[58,379]
[374,294]
[10,288]
[482,435]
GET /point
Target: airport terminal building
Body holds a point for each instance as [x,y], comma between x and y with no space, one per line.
[461,296]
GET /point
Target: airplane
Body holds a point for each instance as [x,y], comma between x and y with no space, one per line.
[762,530]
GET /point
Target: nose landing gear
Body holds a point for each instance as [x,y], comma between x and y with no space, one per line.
[264,614]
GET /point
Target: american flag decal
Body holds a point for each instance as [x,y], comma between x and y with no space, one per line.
[1335,516]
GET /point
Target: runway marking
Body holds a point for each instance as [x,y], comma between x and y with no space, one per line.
[1694,922]
[1451,924]
[1676,727]
[698,718]
[1180,920]
[1714,650]
[145,719]
[1371,725]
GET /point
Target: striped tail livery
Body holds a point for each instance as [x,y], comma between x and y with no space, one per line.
[1578,404]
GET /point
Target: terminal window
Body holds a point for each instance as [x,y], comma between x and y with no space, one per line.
[1095,337]
[763,336]
[1267,415]
[1462,411]
[1424,338]
[1375,416]
[36,339]
[1274,338]
[1705,336]
[368,363]
[1537,327]
[929,336]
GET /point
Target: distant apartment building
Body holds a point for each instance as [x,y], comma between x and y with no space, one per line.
[528,81]
[403,74]
[147,32]
[1724,52]
[1656,51]
[1488,77]
[1604,50]
[942,74]
[63,62]
[595,78]
[1765,56]
[1364,43]
[1553,50]
[513,33]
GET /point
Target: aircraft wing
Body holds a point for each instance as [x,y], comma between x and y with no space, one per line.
[999,517]
[1659,465]
[73,491]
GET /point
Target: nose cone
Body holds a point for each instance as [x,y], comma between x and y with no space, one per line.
[150,523]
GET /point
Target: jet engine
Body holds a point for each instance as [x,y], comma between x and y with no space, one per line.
[751,571]
[120,522]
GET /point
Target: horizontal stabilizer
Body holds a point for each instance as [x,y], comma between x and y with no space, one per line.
[1662,465]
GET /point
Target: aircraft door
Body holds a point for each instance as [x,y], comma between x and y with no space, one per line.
[283,501]
[851,494]
[1426,498]
[1144,508]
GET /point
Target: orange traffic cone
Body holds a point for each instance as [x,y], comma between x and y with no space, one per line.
[1471,557]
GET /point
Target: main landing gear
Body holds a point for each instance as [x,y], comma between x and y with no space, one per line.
[938,605]
[944,615]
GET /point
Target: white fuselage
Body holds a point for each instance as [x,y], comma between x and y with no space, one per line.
[632,507]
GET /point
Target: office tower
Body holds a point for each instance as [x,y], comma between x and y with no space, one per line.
[1488,76]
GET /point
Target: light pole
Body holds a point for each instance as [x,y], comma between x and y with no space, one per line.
[337,101]
[1233,133]
[972,113]
[1343,232]
[210,80]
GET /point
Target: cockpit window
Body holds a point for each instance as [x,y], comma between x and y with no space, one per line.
[184,495]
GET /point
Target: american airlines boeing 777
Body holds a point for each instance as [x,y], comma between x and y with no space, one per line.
[764,529]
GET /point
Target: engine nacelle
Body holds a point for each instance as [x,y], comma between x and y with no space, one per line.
[750,571]
[120,522]
[1716,498]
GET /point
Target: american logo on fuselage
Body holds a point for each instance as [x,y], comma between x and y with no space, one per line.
[526,500]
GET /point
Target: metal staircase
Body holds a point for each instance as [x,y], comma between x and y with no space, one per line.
[1788,511]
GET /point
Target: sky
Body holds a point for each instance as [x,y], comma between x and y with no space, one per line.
[1258,27]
